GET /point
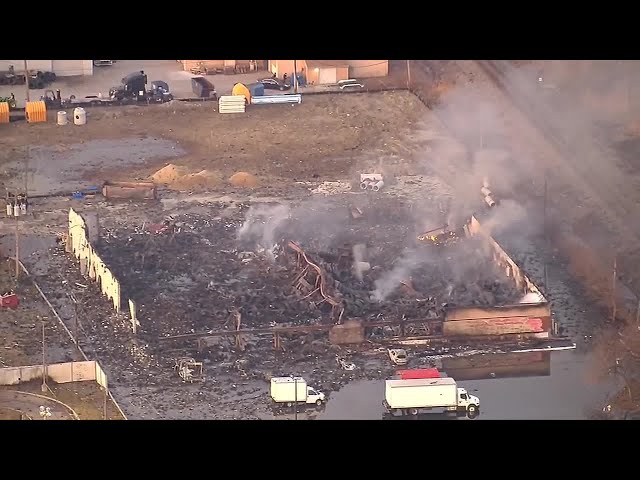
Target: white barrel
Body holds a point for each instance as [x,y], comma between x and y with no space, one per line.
[79,116]
[62,118]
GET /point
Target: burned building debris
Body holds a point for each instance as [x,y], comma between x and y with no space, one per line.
[193,273]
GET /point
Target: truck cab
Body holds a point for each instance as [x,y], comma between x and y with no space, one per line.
[468,402]
[314,396]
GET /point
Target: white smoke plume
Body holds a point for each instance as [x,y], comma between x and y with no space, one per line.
[261,224]
[401,271]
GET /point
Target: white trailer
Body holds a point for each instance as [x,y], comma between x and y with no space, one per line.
[292,390]
[414,396]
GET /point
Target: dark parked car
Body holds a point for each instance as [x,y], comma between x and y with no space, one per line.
[274,84]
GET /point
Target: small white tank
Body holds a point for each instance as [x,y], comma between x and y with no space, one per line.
[79,116]
[62,118]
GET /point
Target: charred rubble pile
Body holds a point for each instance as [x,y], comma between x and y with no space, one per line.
[276,265]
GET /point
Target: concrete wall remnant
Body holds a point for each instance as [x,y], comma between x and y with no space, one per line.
[91,264]
[58,372]
[350,332]
[531,319]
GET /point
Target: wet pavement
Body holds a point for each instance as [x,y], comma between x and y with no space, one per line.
[566,394]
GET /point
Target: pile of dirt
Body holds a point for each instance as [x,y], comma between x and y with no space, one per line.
[244,179]
[169,174]
[202,179]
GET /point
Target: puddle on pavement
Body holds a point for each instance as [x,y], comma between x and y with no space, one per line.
[563,393]
[59,169]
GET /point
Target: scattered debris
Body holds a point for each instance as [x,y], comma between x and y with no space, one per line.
[332,188]
[188,369]
[398,356]
[9,300]
[344,364]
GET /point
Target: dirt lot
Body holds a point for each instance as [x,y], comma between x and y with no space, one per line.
[285,153]
[310,155]
[280,144]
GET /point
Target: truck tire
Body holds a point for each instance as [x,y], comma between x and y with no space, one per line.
[413,411]
[472,409]
[319,402]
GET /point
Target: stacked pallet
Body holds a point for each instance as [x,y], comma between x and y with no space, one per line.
[231,104]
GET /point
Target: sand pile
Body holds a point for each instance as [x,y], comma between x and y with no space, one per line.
[244,179]
[169,174]
[202,179]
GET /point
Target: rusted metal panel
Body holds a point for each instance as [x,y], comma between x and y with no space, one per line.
[494,326]
[502,365]
[130,190]
[350,332]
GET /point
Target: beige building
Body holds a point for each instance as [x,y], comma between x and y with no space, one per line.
[224,66]
[323,72]
[62,68]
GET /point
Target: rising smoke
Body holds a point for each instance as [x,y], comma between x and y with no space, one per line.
[262,224]
[386,284]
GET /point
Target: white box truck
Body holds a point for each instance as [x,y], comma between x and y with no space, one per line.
[416,395]
[290,390]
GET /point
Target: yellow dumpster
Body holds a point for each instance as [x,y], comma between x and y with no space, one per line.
[240,89]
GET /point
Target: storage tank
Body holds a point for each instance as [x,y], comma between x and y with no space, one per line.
[62,118]
[79,116]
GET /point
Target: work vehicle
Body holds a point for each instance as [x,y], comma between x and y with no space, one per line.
[274,84]
[290,390]
[418,374]
[350,84]
[158,93]
[398,356]
[417,395]
[11,100]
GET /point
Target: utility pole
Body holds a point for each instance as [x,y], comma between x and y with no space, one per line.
[295,403]
[26,81]
[26,171]
[545,232]
[295,76]
[16,213]
[408,74]
[44,363]
[613,288]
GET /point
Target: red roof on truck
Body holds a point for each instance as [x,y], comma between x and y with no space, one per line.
[418,373]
